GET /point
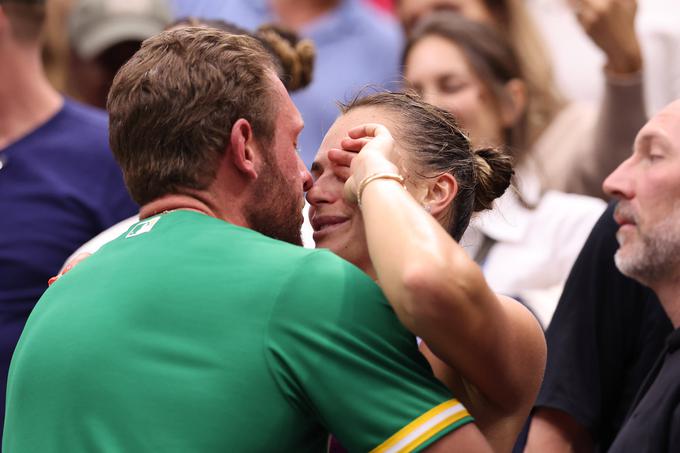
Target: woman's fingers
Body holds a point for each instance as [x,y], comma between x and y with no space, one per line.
[354,144]
[369,130]
[341,161]
[376,136]
[368,150]
[341,157]
[342,173]
[349,191]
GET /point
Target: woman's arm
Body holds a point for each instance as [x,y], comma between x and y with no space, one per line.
[438,292]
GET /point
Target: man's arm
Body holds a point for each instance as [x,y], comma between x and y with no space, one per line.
[557,432]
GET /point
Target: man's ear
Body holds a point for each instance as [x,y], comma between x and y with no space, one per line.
[514,104]
[243,148]
[440,194]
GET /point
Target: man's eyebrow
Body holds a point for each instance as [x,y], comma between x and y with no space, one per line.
[651,138]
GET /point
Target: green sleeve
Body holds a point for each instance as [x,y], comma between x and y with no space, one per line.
[341,356]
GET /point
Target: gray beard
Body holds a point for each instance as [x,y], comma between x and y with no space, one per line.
[655,255]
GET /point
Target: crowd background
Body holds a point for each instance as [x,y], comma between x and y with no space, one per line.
[563,86]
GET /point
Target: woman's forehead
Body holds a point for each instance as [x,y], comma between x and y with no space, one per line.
[349,120]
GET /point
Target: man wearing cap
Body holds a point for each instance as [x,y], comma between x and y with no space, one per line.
[59,183]
[104,34]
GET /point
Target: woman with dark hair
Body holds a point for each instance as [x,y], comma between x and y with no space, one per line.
[487,348]
[576,144]
[468,69]
[511,19]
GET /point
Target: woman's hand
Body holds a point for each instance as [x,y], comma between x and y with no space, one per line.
[368,150]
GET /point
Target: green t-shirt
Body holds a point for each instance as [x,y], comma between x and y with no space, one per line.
[188,334]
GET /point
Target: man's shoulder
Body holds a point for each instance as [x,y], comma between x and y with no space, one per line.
[73,129]
[318,268]
[89,116]
[77,132]
[324,267]
[196,231]
[322,286]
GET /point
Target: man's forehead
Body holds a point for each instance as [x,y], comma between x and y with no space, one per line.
[664,126]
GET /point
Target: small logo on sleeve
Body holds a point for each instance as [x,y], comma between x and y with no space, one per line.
[143,227]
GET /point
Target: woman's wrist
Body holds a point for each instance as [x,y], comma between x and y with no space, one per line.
[384,176]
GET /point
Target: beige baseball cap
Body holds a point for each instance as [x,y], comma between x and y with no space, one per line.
[96,25]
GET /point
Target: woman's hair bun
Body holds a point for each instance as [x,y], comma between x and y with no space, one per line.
[493,170]
[295,55]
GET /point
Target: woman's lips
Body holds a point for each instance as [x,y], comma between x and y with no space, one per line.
[324,225]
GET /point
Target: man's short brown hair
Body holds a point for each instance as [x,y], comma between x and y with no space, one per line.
[27,18]
[173,105]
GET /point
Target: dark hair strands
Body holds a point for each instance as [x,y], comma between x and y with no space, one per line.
[437,145]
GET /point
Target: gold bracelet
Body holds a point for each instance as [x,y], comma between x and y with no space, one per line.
[369,179]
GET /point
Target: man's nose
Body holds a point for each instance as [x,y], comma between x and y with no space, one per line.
[307,180]
[619,184]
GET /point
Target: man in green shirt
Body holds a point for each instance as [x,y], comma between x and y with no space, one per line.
[195,330]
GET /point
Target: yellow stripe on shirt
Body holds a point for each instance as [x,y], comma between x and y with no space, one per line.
[424,427]
[434,430]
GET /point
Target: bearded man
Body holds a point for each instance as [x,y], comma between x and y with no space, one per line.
[193,331]
[648,213]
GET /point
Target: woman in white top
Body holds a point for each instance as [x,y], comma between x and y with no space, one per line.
[466,68]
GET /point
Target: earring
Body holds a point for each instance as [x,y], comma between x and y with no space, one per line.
[427,208]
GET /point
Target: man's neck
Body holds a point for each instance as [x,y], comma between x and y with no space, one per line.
[26,98]
[296,14]
[669,295]
[198,202]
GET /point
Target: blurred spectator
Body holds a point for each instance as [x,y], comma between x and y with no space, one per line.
[59,183]
[56,47]
[511,19]
[578,62]
[103,35]
[606,333]
[387,5]
[357,46]
[575,145]
[468,69]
